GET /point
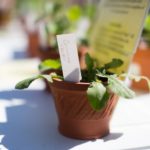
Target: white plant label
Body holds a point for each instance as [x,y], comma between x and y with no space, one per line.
[67,46]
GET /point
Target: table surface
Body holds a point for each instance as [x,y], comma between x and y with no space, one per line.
[28,119]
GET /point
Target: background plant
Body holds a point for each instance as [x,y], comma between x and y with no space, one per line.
[59,18]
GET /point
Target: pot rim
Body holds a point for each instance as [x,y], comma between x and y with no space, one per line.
[71,86]
[79,86]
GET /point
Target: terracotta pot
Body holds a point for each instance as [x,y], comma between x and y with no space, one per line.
[142,60]
[76,117]
[33,43]
[47,52]
[5,16]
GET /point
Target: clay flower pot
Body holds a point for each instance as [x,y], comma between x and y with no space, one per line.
[47,53]
[76,117]
[33,43]
[142,60]
[5,16]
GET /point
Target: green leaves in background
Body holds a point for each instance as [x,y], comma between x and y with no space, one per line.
[90,10]
[97,95]
[34,5]
[74,13]
[146,31]
[50,64]
[26,83]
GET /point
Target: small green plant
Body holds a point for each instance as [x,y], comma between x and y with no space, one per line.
[102,81]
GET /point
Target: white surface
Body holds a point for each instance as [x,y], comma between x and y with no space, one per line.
[12,43]
[14,71]
[29,122]
[28,119]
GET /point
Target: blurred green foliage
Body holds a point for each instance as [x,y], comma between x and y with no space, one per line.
[147,23]
[60,18]
[23,6]
[146,31]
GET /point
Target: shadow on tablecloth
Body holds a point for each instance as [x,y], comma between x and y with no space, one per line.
[31,122]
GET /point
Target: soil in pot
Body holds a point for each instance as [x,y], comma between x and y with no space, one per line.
[76,117]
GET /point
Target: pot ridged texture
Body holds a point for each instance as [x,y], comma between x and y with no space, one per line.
[74,110]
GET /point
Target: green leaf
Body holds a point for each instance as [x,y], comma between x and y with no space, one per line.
[115,63]
[49,64]
[119,87]
[90,11]
[26,83]
[84,41]
[48,77]
[89,62]
[51,28]
[62,25]
[74,13]
[56,8]
[97,95]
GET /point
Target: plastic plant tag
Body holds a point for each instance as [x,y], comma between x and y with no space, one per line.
[69,57]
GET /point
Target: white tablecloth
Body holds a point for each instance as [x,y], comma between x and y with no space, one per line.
[28,122]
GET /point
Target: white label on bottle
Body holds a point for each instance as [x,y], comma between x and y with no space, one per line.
[67,46]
